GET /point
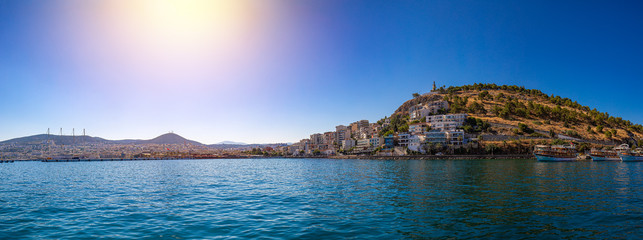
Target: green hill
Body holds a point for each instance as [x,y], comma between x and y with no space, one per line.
[527,113]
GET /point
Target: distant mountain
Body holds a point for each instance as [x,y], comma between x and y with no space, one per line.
[171,138]
[66,140]
[231,143]
[168,138]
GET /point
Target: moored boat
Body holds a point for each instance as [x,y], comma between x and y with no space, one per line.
[628,155]
[556,153]
[604,155]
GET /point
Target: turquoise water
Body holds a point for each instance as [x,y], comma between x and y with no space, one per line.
[320,199]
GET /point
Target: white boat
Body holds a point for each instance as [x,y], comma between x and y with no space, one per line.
[556,153]
[628,155]
[604,155]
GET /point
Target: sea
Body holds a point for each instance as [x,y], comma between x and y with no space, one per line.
[321,199]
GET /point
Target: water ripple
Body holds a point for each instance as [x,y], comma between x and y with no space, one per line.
[320,198]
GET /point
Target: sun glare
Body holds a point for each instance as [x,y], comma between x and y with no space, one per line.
[183,23]
[169,39]
[223,18]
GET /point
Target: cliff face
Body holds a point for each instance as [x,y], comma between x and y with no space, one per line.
[506,107]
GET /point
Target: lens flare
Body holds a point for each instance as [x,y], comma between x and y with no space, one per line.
[166,41]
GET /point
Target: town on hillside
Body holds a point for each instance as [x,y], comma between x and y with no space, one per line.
[428,128]
[472,120]
[478,119]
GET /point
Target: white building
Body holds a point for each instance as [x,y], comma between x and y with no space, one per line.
[317,139]
[342,133]
[328,152]
[446,137]
[387,122]
[447,122]
[348,144]
[363,143]
[424,110]
[403,139]
[376,141]
[416,142]
[417,128]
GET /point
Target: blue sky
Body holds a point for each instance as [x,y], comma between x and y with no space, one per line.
[277,71]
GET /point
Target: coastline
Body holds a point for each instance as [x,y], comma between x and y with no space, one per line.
[362,157]
[427,157]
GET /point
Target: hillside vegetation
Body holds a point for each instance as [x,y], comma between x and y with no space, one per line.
[514,110]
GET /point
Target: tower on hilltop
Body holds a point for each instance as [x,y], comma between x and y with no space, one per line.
[434,88]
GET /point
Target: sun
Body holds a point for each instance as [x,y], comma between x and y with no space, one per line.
[189,22]
[179,36]
[170,42]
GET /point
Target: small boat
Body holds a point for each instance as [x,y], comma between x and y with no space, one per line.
[604,155]
[556,153]
[628,155]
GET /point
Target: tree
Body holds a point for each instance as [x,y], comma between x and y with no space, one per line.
[416,95]
[484,95]
[500,96]
[476,107]
[582,147]
[599,128]
[474,125]
[496,110]
[572,133]
[505,113]
[552,133]
[608,134]
[525,128]
[387,133]
[491,148]
[558,142]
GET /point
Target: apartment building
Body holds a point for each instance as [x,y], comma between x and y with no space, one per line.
[446,137]
[342,133]
[417,128]
[423,110]
[403,139]
[446,122]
